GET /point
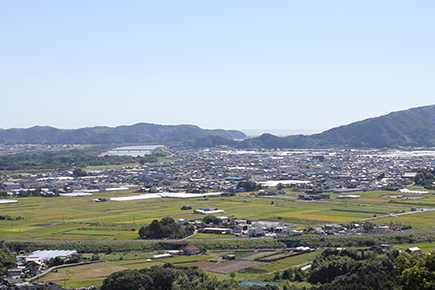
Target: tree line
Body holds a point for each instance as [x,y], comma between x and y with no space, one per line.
[425,178]
[165,228]
[68,158]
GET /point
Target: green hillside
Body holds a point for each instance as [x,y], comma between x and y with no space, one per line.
[414,127]
[134,134]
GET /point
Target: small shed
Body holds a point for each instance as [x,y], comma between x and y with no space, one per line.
[192,250]
[386,246]
[413,250]
[229,257]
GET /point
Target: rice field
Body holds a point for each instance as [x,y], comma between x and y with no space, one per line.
[64,218]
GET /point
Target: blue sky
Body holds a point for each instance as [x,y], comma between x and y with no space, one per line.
[215,64]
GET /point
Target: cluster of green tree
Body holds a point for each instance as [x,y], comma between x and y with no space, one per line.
[115,246]
[165,228]
[170,277]
[57,261]
[249,185]
[22,193]
[211,219]
[360,241]
[416,271]
[7,261]
[67,159]
[84,247]
[292,275]
[210,141]
[425,178]
[142,133]
[355,269]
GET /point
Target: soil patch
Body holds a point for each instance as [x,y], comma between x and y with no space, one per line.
[226,267]
[42,225]
[255,255]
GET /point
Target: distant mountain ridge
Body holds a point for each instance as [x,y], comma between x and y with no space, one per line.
[413,127]
[134,134]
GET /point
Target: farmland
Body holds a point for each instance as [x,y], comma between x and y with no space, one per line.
[66,218]
[94,274]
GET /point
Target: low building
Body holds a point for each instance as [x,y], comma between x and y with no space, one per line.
[35,286]
[268,225]
[192,250]
[15,273]
[54,286]
[348,196]
[221,231]
[314,196]
[46,255]
[386,246]
[255,232]
[183,222]
[208,211]
[413,250]
[11,186]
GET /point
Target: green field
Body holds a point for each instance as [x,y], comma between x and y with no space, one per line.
[67,218]
[63,218]
[94,274]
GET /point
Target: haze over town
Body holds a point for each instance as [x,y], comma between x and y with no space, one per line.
[246,65]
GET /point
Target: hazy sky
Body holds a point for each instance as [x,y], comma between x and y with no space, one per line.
[215,64]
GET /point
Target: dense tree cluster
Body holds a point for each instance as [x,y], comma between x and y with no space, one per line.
[78,172]
[355,269]
[7,261]
[165,228]
[425,178]
[83,247]
[416,271]
[67,159]
[141,133]
[170,277]
[211,219]
[249,185]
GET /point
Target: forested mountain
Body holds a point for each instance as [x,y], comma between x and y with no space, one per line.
[413,127]
[138,133]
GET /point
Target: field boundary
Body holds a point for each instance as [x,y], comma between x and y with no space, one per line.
[43,273]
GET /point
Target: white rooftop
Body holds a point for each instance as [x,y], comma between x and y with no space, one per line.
[48,254]
[5,201]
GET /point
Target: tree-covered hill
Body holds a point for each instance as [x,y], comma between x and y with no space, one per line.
[413,127]
[138,133]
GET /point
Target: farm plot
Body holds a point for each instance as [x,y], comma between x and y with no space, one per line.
[82,276]
[70,218]
[418,220]
[256,255]
[225,267]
